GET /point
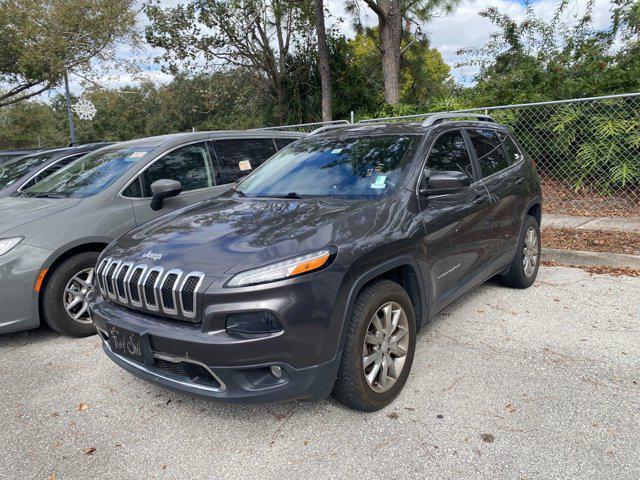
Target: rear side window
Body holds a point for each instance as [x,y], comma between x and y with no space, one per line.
[449,154]
[512,149]
[237,158]
[489,150]
[190,165]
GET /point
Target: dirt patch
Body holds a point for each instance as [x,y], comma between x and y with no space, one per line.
[560,197]
[601,270]
[591,240]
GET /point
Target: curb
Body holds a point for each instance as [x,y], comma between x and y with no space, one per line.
[590,259]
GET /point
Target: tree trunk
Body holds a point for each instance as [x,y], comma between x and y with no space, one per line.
[323,62]
[390,38]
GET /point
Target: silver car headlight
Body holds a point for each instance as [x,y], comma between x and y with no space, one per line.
[281,270]
[7,244]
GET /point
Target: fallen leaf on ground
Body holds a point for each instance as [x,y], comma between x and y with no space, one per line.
[487,438]
[82,407]
[89,451]
[393,416]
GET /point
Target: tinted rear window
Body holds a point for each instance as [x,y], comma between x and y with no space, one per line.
[491,156]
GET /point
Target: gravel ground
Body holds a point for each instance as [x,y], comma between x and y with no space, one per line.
[511,384]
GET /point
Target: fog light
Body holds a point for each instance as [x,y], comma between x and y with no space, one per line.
[252,323]
[276,371]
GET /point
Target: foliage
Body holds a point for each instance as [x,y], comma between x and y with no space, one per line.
[44,39]
[251,36]
[534,60]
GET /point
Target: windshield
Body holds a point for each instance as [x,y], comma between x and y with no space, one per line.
[90,174]
[14,170]
[356,167]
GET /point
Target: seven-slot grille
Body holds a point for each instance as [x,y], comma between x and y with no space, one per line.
[171,292]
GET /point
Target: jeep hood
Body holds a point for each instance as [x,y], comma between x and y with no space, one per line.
[19,211]
[216,235]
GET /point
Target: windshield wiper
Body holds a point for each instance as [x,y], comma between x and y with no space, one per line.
[293,195]
[49,195]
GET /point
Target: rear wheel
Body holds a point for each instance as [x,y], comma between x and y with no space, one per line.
[65,299]
[379,348]
[524,267]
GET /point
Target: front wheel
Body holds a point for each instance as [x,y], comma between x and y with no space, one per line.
[65,299]
[379,348]
[524,267]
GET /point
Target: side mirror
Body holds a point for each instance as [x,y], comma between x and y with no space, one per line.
[443,183]
[163,189]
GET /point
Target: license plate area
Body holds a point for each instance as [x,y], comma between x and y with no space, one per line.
[126,343]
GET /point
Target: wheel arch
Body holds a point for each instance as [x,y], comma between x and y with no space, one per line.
[62,254]
[402,270]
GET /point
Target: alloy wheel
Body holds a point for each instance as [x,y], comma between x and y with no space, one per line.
[530,252]
[76,295]
[385,348]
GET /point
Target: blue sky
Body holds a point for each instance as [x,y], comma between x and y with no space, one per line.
[461,29]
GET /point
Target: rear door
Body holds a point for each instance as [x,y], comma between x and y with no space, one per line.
[500,179]
[457,245]
[191,165]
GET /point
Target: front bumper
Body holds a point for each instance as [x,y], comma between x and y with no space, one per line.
[213,364]
[19,270]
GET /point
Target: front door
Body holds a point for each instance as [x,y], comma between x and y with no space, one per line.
[191,165]
[457,247]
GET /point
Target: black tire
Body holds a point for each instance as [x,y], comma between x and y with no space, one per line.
[516,276]
[351,387]
[52,306]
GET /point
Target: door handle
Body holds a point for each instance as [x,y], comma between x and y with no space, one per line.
[520,181]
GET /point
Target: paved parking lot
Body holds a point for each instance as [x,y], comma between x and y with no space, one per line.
[506,384]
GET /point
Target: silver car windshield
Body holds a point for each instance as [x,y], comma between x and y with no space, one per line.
[90,174]
[14,170]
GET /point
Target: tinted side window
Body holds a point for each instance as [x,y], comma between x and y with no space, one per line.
[489,151]
[237,158]
[283,142]
[512,149]
[190,165]
[449,154]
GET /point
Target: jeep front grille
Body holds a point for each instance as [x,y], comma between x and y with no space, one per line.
[171,293]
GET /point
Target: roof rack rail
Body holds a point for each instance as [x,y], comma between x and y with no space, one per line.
[329,127]
[436,118]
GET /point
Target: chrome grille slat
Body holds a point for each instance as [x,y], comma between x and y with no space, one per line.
[139,286]
[185,295]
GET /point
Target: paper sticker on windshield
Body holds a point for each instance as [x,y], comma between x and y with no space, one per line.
[137,155]
[244,165]
[380,182]
[336,151]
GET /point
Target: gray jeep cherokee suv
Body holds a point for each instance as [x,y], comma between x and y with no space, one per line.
[315,273]
[52,233]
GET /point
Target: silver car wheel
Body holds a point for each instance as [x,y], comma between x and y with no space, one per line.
[530,252]
[76,294]
[385,347]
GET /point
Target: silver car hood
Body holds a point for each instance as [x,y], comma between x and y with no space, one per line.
[18,211]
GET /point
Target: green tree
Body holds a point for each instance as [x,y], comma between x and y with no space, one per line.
[394,19]
[42,40]
[251,36]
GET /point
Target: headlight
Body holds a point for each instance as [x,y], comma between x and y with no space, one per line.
[281,270]
[7,244]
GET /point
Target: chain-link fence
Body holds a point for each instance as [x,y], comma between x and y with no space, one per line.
[306,127]
[587,151]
